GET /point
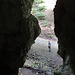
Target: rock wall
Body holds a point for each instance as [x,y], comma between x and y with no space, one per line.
[18,30]
[64,18]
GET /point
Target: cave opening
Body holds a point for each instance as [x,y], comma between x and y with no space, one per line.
[39,58]
[19,28]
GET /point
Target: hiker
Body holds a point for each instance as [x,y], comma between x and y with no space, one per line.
[49,46]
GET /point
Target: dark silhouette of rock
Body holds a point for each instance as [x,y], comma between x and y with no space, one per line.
[18,30]
[64,14]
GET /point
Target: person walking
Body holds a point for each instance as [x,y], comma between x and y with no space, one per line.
[49,46]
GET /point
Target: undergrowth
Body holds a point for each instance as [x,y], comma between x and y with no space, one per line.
[38,10]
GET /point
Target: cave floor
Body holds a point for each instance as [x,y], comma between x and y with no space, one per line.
[40,61]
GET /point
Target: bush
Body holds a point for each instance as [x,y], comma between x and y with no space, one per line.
[40,15]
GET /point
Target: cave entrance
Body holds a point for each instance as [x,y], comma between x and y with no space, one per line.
[39,58]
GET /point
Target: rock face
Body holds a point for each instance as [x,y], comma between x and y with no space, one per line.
[64,17]
[18,30]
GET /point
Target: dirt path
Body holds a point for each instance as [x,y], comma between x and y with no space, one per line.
[40,58]
[40,52]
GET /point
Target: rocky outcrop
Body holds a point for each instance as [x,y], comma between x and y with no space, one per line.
[18,30]
[64,17]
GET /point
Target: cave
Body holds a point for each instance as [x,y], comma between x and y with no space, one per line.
[19,28]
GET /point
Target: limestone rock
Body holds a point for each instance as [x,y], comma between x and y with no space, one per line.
[18,30]
[64,18]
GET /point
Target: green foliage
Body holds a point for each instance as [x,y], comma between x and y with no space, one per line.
[34,10]
[42,8]
[51,36]
[40,15]
[47,22]
[37,10]
[38,1]
[36,64]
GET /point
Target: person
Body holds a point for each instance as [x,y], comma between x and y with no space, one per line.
[49,46]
